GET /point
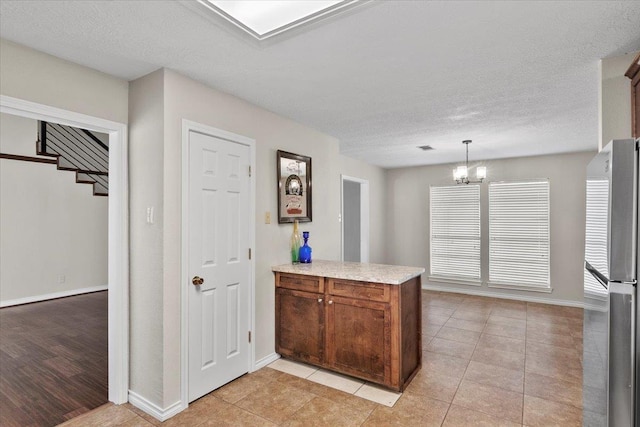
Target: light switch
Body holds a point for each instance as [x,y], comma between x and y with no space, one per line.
[267,217]
[150,215]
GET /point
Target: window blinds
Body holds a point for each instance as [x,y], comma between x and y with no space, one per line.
[596,234]
[455,232]
[519,234]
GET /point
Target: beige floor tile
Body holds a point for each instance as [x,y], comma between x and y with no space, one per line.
[409,411]
[435,385]
[198,412]
[550,328]
[434,319]
[106,415]
[345,398]
[236,417]
[275,401]
[324,412]
[564,340]
[459,416]
[505,330]
[543,413]
[337,381]
[136,422]
[142,414]
[377,394]
[438,311]
[507,321]
[429,329]
[474,316]
[441,363]
[552,353]
[492,356]
[459,335]
[561,391]
[451,348]
[293,368]
[495,376]
[561,370]
[512,313]
[542,317]
[492,401]
[239,388]
[467,325]
[498,342]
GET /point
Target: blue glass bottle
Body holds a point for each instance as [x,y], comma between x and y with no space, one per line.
[305,250]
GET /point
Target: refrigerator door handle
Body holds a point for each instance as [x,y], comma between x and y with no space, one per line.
[596,274]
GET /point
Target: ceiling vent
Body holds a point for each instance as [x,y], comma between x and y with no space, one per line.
[425,147]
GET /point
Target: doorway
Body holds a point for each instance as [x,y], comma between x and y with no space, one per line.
[355,219]
[118,252]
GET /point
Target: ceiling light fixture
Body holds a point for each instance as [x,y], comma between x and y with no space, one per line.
[461,173]
[266,18]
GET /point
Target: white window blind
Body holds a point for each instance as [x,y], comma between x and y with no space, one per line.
[519,234]
[455,232]
[596,234]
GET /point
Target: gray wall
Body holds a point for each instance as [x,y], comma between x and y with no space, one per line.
[408,219]
[351,218]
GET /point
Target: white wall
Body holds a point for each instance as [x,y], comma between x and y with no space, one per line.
[184,98]
[37,77]
[49,224]
[615,98]
[408,219]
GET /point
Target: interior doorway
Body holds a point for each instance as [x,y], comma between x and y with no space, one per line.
[118,241]
[355,219]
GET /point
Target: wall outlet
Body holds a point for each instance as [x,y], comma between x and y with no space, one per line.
[62,278]
[267,217]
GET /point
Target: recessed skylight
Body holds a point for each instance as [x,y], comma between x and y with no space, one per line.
[264,19]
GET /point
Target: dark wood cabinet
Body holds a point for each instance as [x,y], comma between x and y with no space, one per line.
[367,330]
[634,74]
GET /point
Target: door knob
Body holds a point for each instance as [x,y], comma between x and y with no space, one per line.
[197,280]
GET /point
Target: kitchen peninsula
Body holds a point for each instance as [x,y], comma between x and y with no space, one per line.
[362,320]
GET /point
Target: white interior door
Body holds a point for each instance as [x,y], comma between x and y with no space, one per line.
[355,219]
[219,307]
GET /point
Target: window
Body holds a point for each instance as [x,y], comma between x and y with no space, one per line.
[519,234]
[596,234]
[455,233]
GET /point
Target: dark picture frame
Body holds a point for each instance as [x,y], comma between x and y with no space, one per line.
[294,187]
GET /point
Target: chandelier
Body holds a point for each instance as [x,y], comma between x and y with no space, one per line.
[461,173]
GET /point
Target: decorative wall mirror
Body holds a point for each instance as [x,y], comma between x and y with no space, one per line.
[294,187]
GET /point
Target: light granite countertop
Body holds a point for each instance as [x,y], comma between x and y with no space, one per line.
[376,273]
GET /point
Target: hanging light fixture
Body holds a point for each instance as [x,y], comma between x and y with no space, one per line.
[461,173]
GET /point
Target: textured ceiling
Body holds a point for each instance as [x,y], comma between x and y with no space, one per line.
[519,78]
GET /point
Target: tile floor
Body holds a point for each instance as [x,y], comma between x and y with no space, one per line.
[486,362]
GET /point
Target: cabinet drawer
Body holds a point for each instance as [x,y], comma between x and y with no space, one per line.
[359,290]
[300,282]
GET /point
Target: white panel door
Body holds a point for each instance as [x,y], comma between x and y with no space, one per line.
[219,255]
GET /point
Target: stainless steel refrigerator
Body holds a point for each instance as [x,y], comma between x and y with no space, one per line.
[610,356]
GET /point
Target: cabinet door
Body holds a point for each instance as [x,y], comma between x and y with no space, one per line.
[300,325]
[359,338]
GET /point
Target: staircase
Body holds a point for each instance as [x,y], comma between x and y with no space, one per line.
[77,150]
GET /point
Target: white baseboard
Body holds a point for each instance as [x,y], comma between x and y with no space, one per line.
[259,364]
[527,298]
[38,298]
[154,410]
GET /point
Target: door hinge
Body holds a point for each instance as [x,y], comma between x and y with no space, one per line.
[249,336]
[249,170]
[249,253]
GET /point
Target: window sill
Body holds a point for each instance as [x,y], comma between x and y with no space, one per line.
[520,287]
[455,281]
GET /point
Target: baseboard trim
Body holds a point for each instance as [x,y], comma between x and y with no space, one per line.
[154,410]
[55,295]
[526,298]
[259,364]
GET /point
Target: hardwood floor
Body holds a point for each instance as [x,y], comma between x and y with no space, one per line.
[53,360]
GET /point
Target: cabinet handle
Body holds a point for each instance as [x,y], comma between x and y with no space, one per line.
[319,299]
[330,302]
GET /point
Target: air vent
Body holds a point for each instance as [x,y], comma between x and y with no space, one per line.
[425,147]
